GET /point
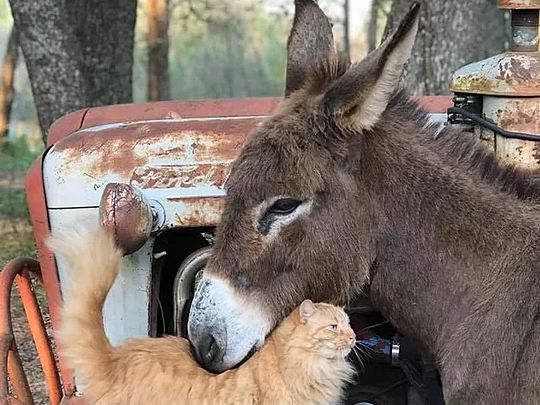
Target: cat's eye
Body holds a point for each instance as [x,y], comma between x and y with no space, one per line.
[333,326]
[284,206]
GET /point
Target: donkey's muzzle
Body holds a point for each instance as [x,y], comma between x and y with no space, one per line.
[222,326]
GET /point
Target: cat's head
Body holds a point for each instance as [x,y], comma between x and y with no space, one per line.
[324,329]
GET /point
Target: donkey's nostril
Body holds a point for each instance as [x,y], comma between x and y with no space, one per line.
[209,353]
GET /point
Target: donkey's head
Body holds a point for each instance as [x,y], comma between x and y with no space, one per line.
[294,224]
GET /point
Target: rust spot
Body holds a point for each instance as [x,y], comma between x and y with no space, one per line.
[519,73]
[536,153]
[125,148]
[475,83]
[520,115]
[200,211]
[100,157]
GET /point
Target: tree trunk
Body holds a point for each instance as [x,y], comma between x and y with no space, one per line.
[157,12]
[8,75]
[451,34]
[79,53]
[346,28]
[373,25]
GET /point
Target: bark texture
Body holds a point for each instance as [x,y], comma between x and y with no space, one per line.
[346,33]
[451,34]
[157,12]
[9,65]
[373,25]
[79,53]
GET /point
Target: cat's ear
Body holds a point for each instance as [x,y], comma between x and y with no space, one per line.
[307,309]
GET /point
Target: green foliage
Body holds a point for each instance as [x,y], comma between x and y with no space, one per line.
[13,203]
[15,158]
[226,48]
[15,155]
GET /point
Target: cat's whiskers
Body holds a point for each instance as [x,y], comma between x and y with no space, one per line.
[367,350]
[364,351]
[355,351]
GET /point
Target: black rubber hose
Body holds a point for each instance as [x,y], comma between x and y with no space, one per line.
[494,127]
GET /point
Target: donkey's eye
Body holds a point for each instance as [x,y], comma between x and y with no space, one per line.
[279,211]
[284,206]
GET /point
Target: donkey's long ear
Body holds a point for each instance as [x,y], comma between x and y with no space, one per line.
[310,40]
[358,99]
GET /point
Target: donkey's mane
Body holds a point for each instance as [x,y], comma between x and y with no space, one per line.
[451,143]
[455,145]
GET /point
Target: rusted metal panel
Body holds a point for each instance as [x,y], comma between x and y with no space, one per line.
[236,107]
[519,4]
[519,114]
[195,211]
[509,74]
[141,154]
[164,154]
[66,125]
[164,110]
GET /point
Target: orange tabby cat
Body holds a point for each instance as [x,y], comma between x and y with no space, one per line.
[302,362]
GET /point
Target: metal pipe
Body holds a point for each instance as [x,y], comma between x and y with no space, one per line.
[17,376]
[39,335]
[9,359]
[10,363]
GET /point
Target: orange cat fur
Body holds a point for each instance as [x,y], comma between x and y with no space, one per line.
[302,362]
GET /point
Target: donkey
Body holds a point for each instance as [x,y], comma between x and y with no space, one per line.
[348,187]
